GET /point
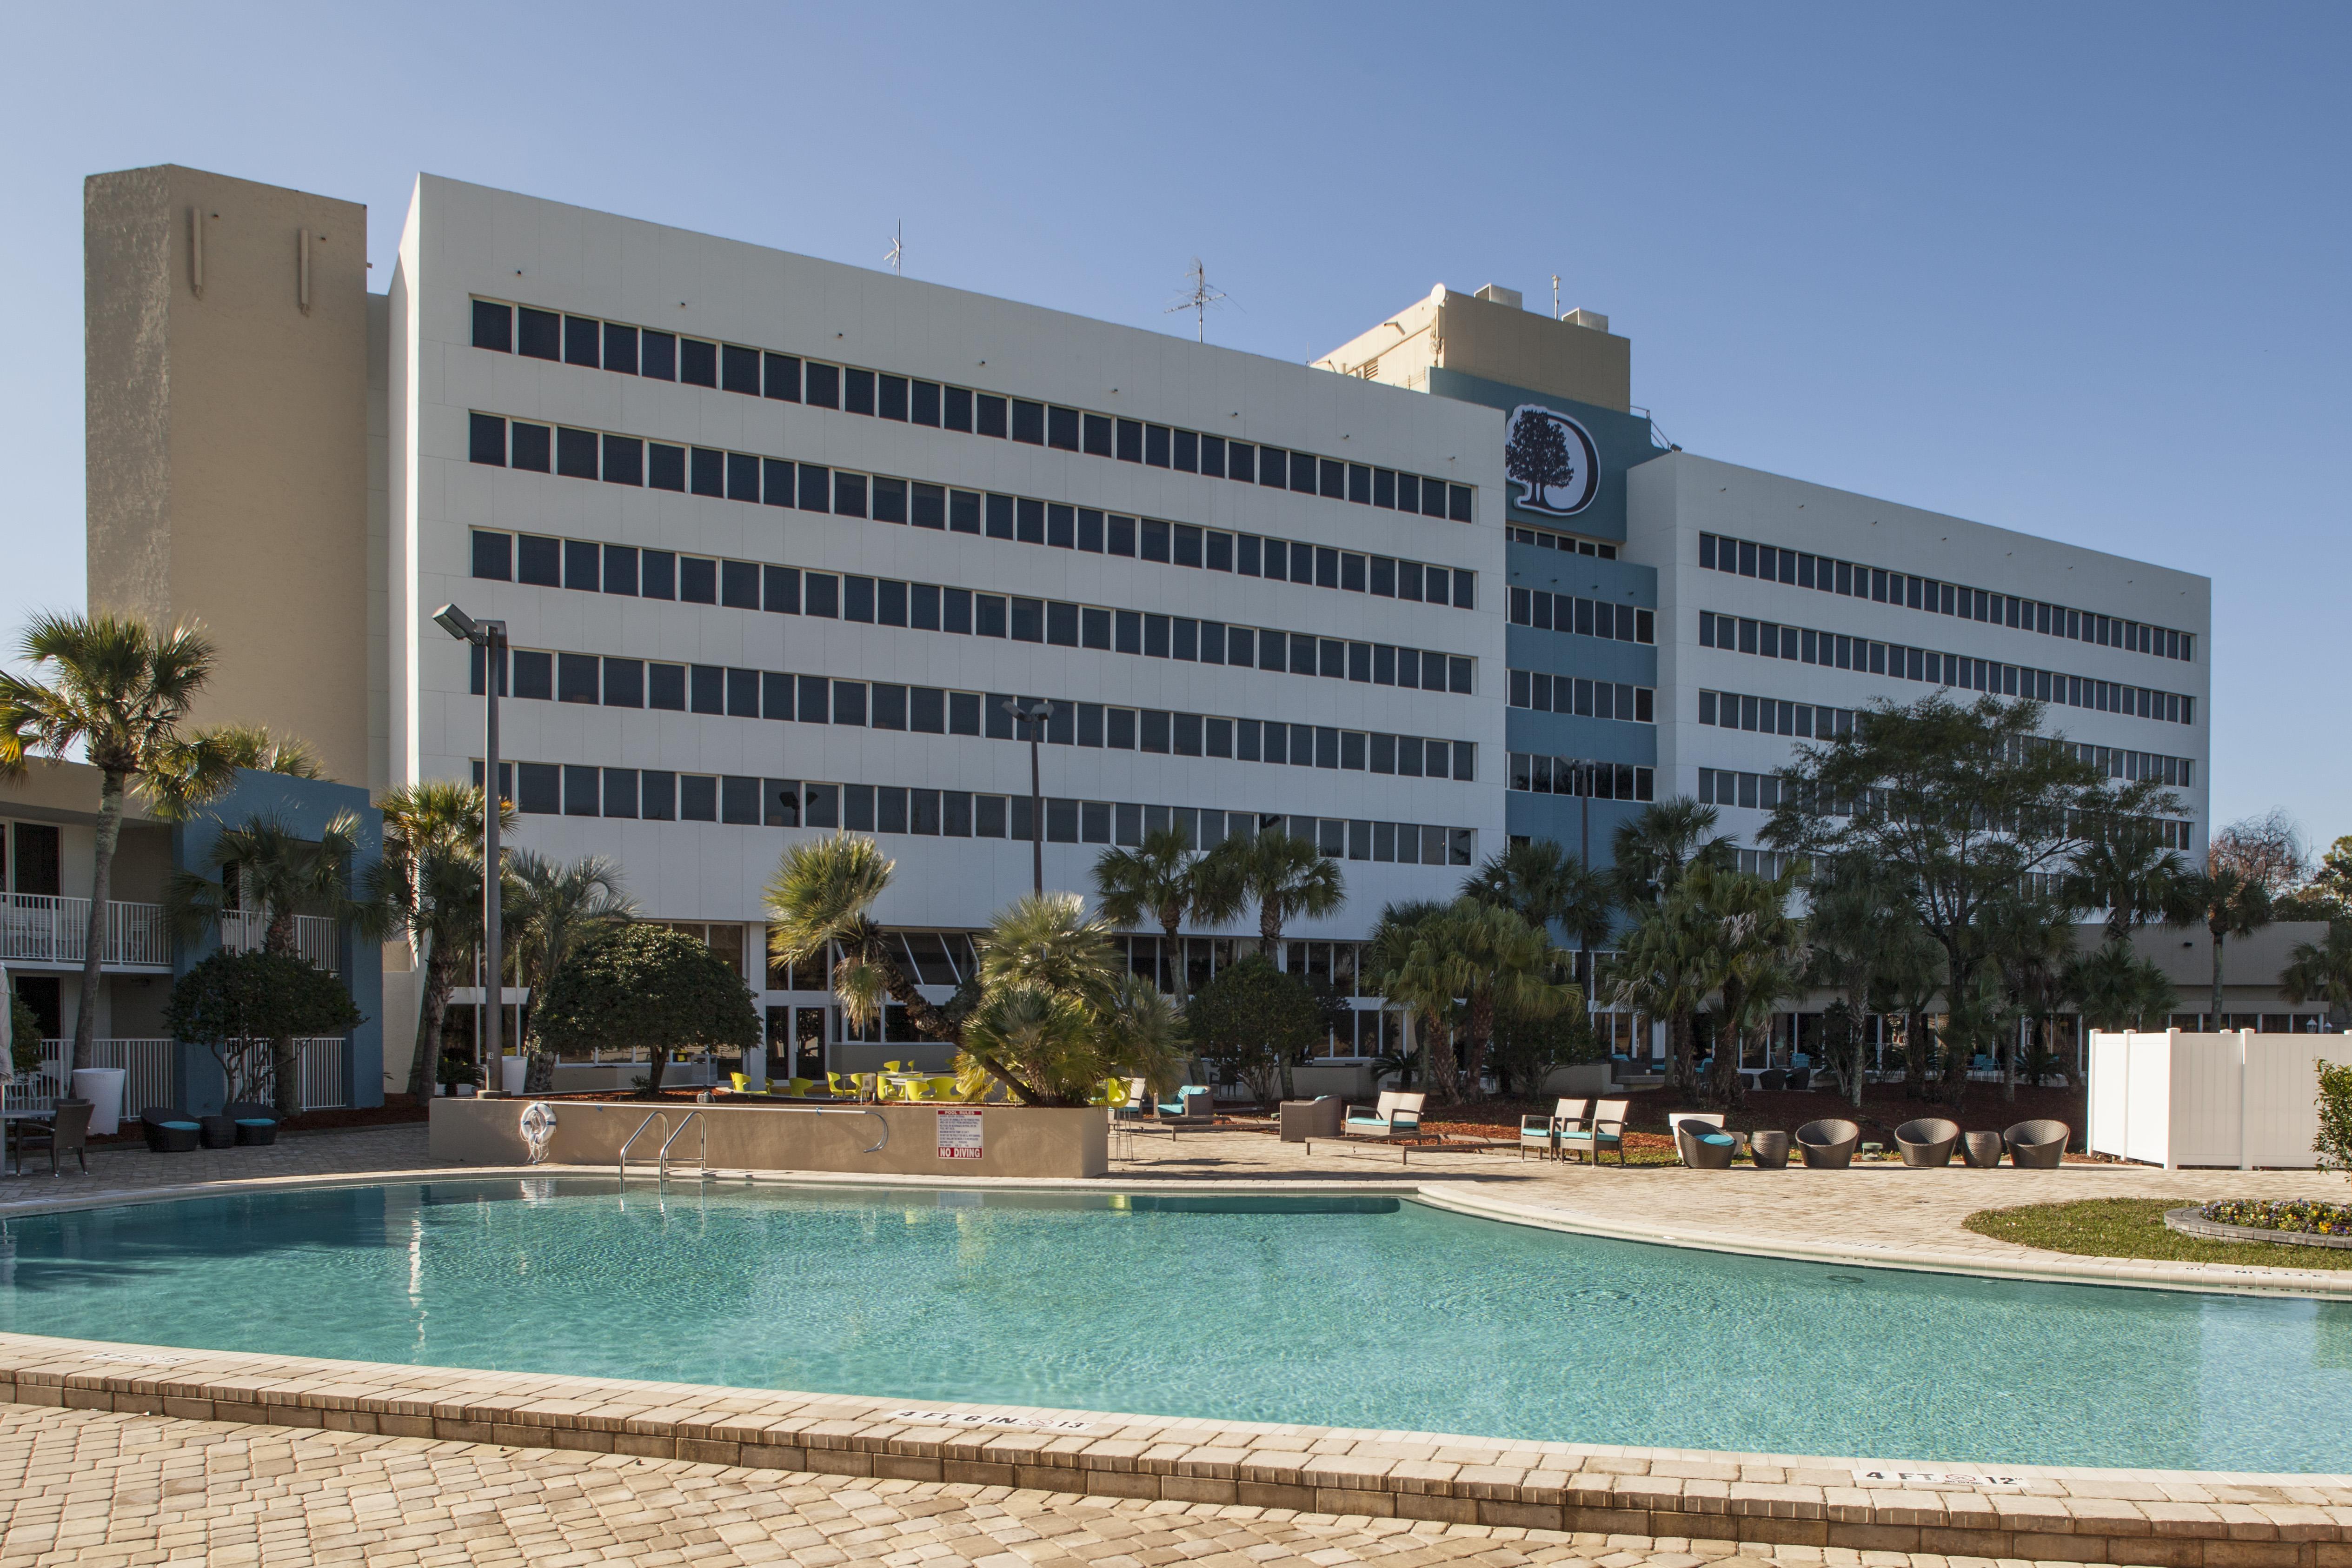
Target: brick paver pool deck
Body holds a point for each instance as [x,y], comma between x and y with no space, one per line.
[109,1454]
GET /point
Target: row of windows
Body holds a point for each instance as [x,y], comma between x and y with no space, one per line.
[1565,544]
[2178,772]
[1730,711]
[549,789]
[1763,792]
[755,373]
[587,677]
[1773,640]
[1585,698]
[1549,612]
[1744,559]
[810,487]
[1570,775]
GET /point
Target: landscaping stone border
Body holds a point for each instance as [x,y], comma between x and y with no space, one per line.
[2191,1221]
[2172,1518]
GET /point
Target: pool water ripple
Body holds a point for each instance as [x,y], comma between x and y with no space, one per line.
[1350,1311]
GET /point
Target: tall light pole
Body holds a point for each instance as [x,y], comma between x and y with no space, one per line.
[490,637]
[1035,715]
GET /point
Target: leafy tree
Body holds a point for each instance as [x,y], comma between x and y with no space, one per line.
[118,691]
[1161,880]
[2334,1142]
[1057,1013]
[1854,903]
[1285,877]
[261,864]
[233,1002]
[1536,455]
[1963,804]
[549,910]
[2247,865]
[2117,989]
[23,1035]
[428,886]
[1527,1049]
[2322,969]
[2033,939]
[646,986]
[1654,848]
[2327,894]
[1251,1018]
[1907,978]
[1545,885]
[1757,957]
[1665,970]
[2124,867]
[1384,970]
[1490,958]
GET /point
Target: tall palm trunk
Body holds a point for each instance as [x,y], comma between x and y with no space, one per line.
[1172,922]
[109,833]
[432,1013]
[285,1065]
[2219,939]
[1682,1069]
[1915,1054]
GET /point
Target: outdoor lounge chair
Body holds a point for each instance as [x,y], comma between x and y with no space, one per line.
[1193,1103]
[257,1124]
[1702,1142]
[1828,1145]
[1928,1142]
[170,1131]
[2037,1145]
[1303,1121]
[68,1132]
[1542,1133]
[1397,1115]
[1605,1130]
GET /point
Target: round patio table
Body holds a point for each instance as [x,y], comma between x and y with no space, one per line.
[1981,1149]
[1770,1149]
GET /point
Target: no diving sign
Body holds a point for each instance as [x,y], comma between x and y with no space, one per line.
[959,1135]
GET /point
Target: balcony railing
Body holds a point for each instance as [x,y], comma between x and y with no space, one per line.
[147,1065]
[245,930]
[37,929]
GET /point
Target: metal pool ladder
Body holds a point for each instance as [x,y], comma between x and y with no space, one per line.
[661,1160]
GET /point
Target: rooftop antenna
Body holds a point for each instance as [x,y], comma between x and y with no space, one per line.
[1555,296]
[897,256]
[1197,299]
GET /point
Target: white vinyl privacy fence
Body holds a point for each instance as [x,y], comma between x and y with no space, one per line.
[2241,1099]
[147,1069]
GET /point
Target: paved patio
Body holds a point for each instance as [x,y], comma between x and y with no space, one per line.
[97,1489]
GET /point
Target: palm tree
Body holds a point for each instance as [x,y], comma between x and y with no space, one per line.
[1057,1016]
[549,911]
[2033,940]
[1489,958]
[263,866]
[2124,867]
[1546,885]
[1385,959]
[2231,903]
[429,884]
[1757,956]
[1851,904]
[1161,879]
[1665,970]
[822,896]
[119,691]
[2117,989]
[258,747]
[2322,969]
[1909,976]
[1284,876]
[1653,850]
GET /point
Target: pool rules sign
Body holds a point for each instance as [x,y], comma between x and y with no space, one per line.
[959,1135]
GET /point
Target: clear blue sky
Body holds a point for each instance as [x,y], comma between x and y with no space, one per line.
[2079,270]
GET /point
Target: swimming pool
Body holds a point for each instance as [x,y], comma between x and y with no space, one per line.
[1356,1311]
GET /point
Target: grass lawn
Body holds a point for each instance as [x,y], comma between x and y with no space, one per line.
[2133,1227]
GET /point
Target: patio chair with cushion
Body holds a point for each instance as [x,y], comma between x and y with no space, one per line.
[1772,1080]
[1928,1142]
[256,1123]
[1606,1130]
[1397,1115]
[2037,1145]
[1702,1142]
[1542,1133]
[1828,1145]
[170,1131]
[68,1132]
[1194,1103]
[1303,1121]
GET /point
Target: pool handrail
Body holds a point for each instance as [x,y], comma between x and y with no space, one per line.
[695,1117]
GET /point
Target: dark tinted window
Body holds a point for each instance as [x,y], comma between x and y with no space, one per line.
[784,377]
[1335,479]
[624,683]
[956,408]
[660,361]
[621,352]
[534,674]
[738,585]
[927,403]
[739,370]
[493,556]
[583,565]
[782,595]
[620,792]
[1212,455]
[538,560]
[575,453]
[541,335]
[698,362]
[1188,451]
[698,580]
[658,574]
[1458,502]
[1155,444]
[820,594]
[777,487]
[849,494]
[534,447]
[817,489]
[858,391]
[893,397]
[929,507]
[698,797]
[665,466]
[624,460]
[487,439]
[1062,428]
[575,678]
[989,414]
[493,326]
[1029,422]
[706,689]
[583,338]
[708,476]
[539,787]
[889,500]
[1272,466]
[659,795]
[740,800]
[824,385]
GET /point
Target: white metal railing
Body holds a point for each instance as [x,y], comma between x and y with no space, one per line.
[245,930]
[147,1081]
[36,928]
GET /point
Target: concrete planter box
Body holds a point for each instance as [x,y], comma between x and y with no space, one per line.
[1016,1141]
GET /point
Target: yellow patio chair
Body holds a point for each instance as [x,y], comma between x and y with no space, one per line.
[742,1083]
[942,1087]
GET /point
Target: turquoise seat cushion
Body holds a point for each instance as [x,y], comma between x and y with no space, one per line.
[1714,1137]
[1366,1121]
[256,1122]
[181,1126]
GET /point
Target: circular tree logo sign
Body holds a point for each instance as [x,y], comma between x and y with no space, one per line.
[1553,460]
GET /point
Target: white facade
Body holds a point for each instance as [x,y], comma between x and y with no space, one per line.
[464,243]
[1678,499]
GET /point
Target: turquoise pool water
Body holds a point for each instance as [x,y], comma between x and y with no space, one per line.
[1359,1311]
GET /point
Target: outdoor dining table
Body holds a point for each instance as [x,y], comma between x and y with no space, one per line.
[11,1122]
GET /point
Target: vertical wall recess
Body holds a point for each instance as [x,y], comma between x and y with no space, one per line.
[302,269]
[196,251]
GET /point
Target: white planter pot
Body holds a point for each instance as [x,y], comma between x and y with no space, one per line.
[462,1090]
[102,1086]
[512,1073]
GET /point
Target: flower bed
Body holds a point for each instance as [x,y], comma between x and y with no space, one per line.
[2308,1216]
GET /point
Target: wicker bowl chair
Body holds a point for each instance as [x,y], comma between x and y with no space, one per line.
[170,1131]
[1703,1143]
[1928,1142]
[1829,1146]
[2037,1145]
